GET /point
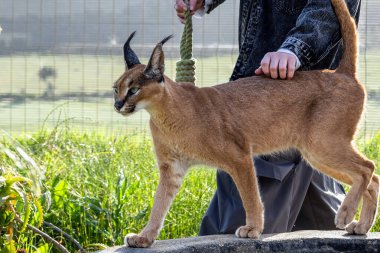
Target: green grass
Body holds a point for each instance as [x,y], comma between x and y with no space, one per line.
[100,187]
[371,148]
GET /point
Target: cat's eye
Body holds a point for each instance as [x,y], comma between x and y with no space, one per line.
[115,90]
[134,90]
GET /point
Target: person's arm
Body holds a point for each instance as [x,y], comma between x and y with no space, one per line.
[198,7]
[212,4]
[315,34]
[316,31]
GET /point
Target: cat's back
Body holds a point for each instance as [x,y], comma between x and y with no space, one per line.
[304,85]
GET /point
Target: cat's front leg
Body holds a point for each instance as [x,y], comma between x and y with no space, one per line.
[244,175]
[171,174]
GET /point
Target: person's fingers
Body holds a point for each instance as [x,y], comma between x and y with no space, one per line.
[273,66]
[259,71]
[291,66]
[278,65]
[265,64]
[182,20]
[200,4]
[282,66]
[180,6]
[181,15]
[193,5]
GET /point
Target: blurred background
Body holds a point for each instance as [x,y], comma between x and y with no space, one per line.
[58,59]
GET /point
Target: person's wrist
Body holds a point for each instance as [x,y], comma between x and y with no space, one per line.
[203,10]
[284,50]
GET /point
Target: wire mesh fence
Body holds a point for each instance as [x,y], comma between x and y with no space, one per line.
[58,59]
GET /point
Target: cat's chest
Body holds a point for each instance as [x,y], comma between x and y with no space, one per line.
[186,144]
[183,148]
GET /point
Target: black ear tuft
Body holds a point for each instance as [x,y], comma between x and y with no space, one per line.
[162,42]
[130,38]
[130,57]
[156,66]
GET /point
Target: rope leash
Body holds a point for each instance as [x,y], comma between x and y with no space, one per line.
[185,71]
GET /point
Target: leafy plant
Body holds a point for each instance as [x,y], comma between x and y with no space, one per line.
[20,206]
[19,197]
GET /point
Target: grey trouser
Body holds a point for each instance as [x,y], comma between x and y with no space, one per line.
[295,197]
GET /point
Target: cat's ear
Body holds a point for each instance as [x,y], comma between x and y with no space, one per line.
[130,57]
[156,66]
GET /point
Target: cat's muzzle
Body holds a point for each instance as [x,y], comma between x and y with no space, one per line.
[118,105]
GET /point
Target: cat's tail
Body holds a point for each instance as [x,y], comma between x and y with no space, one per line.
[348,63]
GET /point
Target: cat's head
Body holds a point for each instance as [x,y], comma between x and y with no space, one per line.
[140,84]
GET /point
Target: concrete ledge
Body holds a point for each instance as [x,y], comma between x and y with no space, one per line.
[300,241]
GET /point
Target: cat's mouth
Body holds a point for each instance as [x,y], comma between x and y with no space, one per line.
[128,109]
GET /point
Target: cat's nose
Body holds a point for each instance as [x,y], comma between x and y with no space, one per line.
[118,104]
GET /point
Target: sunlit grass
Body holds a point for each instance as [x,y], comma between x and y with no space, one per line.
[99,187]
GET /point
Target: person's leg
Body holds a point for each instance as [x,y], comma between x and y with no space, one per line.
[283,181]
[321,204]
[225,212]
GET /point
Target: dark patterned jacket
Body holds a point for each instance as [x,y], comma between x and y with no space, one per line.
[308,28]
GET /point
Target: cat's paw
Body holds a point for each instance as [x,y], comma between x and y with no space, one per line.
[358,228]
[248,232]
[136,241]
[344,216]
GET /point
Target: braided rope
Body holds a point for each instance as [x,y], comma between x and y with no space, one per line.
[186,66]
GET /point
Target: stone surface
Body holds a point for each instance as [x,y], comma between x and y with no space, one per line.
[300,241]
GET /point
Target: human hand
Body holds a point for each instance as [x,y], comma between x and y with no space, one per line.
[278,65]
[180,8]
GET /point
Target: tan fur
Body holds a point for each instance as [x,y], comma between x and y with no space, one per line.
[223,126]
